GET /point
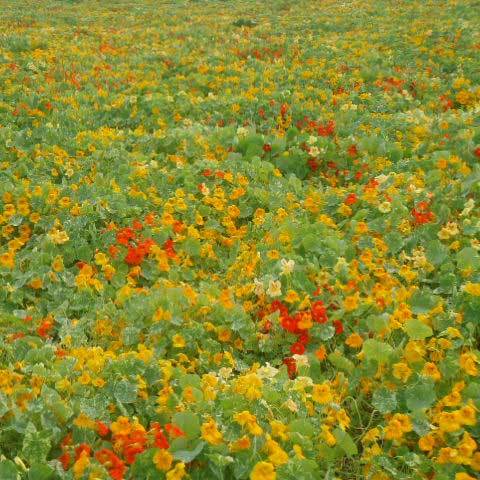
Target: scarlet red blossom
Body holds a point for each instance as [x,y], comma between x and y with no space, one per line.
[351,199]
[297,348]
[422,214]
[168,246]
[102,429]
[45,328]
[319,312]
[291,366]
[83,447]
[338,326]
[161,440]
[352,151]
[65,459]
[125,235]
[116,467]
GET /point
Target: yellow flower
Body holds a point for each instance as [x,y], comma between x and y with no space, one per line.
[371,436]
[322,393]
[351,303]
[472,289]
[279,430]
[36,283]
[241,444]
[178,341]
[431,370]
[121,427]
[467,415]
[249,385]
[177,473]
[211,434]
[448,455]
[57,264]
[59,236]
[354,340]
[81,464]
[246,419]
[83,421]
[292,296]
[163,459]
[467,446]
[263,471]
[276,454]
[328,436]
[464,476]
[468,362]
[449,422]
[401,371]
[427,442]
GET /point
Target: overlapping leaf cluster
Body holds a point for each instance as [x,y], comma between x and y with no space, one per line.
[239,240]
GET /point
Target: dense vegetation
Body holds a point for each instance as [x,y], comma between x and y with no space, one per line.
[239,240]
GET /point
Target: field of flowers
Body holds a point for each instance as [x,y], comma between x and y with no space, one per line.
[239,240]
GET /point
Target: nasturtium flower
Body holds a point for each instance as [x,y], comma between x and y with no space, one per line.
[163,459]
[322,393]
[263,471]
[210,432]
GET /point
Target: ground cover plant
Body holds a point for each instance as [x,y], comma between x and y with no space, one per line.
[239,240]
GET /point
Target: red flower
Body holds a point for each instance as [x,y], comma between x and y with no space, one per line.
[297,348]
[161,440]
[134,256]
[477,152]
[281,307]
[313,164]
[352,151]
[291,366]
[319,312]
[178,226]
[351,199]
[125,235]
[289,324]
[83,447]
[267,148]
[65,460]
[338,327]
[44,328]
[137,225]
[168,246]
[102,429]
[116,467]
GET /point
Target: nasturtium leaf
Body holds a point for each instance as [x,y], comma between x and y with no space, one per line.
[187,456]
[345,442]
[40,472]
[422,301]
[8,470]
[36,444]
[125,392]
[188,422]
[420,395]
[384,400]
[376,350]
[341,362]
[417,330]
[302,426]
[436,252]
